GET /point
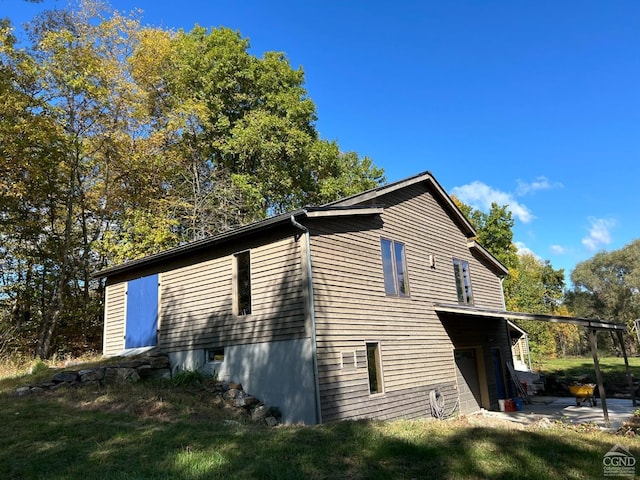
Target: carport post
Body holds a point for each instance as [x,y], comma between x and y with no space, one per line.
[596,364]
[626,365]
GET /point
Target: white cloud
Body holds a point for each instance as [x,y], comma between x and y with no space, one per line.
[540,183]
[481,196]
[558,249]
[599,233]
[524,250]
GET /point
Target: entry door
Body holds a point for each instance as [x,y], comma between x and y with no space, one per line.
[142,312]
[497,369]
[468,382]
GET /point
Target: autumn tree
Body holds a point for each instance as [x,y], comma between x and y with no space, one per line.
[74,102]
[118,141]
[534,286]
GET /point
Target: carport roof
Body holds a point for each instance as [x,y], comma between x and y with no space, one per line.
[590,323]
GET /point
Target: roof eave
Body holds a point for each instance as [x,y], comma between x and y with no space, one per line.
[499,267]
[252,228]
[198,245]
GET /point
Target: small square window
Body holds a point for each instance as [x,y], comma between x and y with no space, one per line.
[215,355]
[349,360]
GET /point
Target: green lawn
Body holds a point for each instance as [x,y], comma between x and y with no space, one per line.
[581,369]
[160,431]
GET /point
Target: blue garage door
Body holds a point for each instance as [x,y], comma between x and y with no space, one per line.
[142,312]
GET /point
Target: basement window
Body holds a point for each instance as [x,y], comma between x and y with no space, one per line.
[374,365]
[215,355]
[243,283]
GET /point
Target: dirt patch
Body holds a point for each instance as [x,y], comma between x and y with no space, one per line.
[482,420]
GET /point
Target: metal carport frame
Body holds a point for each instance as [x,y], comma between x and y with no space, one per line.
[592,325]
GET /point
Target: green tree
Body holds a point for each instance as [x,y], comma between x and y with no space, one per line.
[607,286]
[240,132]
[495,230]
[533,286]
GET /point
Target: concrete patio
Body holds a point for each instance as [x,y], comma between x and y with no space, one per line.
[565,409]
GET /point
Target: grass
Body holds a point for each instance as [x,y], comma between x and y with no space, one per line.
[169,431]
[581,369]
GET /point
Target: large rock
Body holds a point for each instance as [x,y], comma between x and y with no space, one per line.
[233,394]
[91,375]
[158,362]
[65,377]
[246,401]
[131,364]
[20,391]
[145,371]
[259,413]
[114,375]
[271,421]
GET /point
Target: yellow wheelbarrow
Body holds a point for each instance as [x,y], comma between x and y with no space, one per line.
[584,393]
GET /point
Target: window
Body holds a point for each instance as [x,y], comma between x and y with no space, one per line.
[349,361]
[463,281]
[374,366]
[215,355]
[394,266]
[243,283]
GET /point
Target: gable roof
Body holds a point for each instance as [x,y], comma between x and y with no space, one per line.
[467,228]
[359,204]
[374,193]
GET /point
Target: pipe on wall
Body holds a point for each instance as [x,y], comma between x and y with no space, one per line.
[312,314]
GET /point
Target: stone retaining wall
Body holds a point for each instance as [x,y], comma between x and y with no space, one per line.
[153,367]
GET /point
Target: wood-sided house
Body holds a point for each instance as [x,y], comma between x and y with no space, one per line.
[358,308]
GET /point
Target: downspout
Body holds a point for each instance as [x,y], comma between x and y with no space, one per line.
[312,316]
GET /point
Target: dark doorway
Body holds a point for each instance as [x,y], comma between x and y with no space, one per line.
[468,382]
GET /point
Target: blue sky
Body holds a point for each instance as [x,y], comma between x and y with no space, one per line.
[531,104]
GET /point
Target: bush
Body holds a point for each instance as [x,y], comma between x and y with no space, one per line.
[187,378]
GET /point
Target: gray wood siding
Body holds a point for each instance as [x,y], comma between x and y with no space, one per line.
[352,307]
[114,318]
[196,309]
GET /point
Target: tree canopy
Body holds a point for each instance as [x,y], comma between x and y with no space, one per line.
[117,141]
[607,286]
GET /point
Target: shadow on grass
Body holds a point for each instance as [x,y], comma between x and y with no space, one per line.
[104,436]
